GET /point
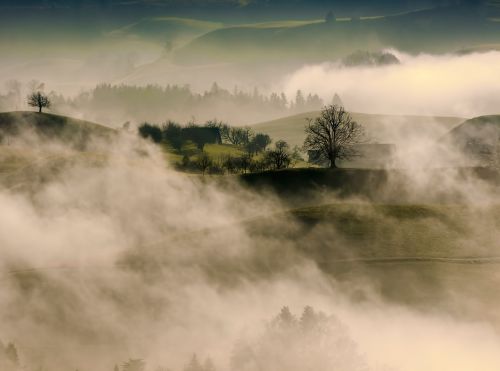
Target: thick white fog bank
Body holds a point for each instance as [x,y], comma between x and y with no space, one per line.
[131,259]
[466,85]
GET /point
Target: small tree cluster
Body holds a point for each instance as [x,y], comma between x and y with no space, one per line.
[244,137]
[195,365]
[313,341]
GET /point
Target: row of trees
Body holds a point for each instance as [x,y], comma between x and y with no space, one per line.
[332,136]
[278,157]
[212,131]
[111,103]
[255,153]
[313,340]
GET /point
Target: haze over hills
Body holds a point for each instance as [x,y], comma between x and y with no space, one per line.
[208,228]
[379,128]
[436,30]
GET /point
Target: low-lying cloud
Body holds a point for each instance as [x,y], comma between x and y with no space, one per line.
[130,259]
[462,85]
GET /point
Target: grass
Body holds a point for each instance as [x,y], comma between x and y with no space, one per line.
[431,30]
[215,151]
[29,164]
[382,128]
[301,186]
[51,126]
[168,29]
[389,231]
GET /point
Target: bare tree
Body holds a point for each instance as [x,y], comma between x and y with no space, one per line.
[239,136]
[204,162]
[39,100]
[333,134]
[280,156]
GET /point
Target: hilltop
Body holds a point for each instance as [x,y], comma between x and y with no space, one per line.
[50,126]
[28,155]
[477,139]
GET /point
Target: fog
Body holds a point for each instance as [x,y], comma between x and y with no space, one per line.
[456,85]
[131,259]
[463,85]
[110,254]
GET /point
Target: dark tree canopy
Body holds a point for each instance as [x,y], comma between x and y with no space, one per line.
[39,100]
[152,132]
[258,143]
[333,134]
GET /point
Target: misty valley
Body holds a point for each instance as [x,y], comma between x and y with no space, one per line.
[251,185]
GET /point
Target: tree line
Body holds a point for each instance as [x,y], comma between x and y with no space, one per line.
[253,151]
[114,104]
[311,340]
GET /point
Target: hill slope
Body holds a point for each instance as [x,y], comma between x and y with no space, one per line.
[436,30]
[478,139]
[50,126]
[35,147]
[167,30]
[380,128]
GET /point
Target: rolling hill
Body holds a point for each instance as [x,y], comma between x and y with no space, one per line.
[435,30]
[380,128]
[50,126]
[36,147]
[478,139]
[167,30]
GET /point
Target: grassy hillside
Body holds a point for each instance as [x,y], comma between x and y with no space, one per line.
[28,155]
[487,125]
[477,139]
[437,30]
[167,29]
[310,185]
[50,126]
[380,128]
[394,232]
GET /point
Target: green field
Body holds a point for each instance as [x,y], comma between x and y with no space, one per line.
[429,256]
[433,30]
[340,221]
[167,29]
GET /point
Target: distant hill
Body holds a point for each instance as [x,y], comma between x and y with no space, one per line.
[478,139]
[385,133]
[435,30]
[379,128]
[167,30]
[52,127]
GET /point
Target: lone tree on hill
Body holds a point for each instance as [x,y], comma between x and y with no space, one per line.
[333,134]
[39,100]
